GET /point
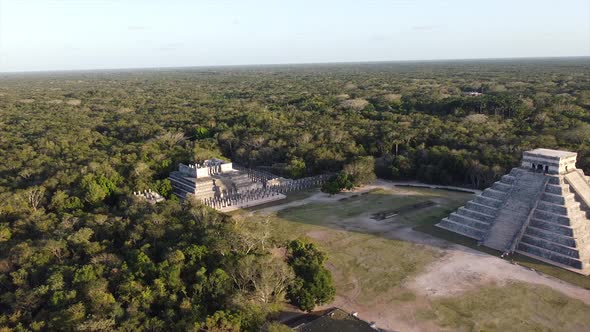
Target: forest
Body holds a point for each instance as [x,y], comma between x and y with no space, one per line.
[79,252]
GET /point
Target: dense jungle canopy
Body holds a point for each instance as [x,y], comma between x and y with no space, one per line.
[78,252]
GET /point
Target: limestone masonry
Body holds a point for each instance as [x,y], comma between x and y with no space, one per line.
[539,209]
[224,186]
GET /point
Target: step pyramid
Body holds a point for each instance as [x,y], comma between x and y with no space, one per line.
[539,209]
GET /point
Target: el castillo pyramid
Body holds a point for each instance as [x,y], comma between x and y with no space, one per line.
[539,209]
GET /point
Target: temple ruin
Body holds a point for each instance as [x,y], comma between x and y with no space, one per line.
[224,186]
[539,209]
[150,196]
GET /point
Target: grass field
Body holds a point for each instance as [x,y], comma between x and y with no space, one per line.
[517,307]
[370,266]
[366,265]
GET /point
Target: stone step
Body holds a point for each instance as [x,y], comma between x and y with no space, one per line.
[502,187]
[461,229]
[495,194]
[180,193]
[181,179]
[488,201]
[475,215]
[552,227]
[473,223]
[558,189]
[556,238]
[558,198]
[181,186]
[532,250]
[557,208]
[553,217]
[481,208]
[556,181]
[507,179]
[550,245]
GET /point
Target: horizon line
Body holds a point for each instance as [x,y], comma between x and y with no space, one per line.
[279,64]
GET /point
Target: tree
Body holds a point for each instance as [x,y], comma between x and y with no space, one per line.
[94,192]
[5,232]
[361,171]
[296,168]
[164,188]
[61,202]
[277,327]
[34,196]
[337,183]
[222,321]
[264,279]
[201,133]
[313,283]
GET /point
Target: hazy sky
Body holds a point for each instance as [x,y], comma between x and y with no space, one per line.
[86,34]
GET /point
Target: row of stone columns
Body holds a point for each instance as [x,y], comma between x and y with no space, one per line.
[256,175]
[234,197]
[237,198]
[150,195]
[301,184]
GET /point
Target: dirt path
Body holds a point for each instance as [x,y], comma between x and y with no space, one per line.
[380,183]
[462,269]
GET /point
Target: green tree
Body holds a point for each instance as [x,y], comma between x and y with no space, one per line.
[222,321]
[313,282]
[337,183]
[296,168]
[361,171]
[202,132]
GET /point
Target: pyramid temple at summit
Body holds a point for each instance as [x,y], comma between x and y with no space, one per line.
[540,209]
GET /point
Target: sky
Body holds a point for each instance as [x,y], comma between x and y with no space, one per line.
[38,35]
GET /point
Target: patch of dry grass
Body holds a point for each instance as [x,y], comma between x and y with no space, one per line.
[514,307]
[367,267]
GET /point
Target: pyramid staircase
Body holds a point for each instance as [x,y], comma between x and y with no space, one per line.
[544,216]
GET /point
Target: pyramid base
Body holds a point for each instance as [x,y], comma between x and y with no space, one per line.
[585,271]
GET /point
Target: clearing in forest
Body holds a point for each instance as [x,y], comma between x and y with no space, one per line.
[408,280]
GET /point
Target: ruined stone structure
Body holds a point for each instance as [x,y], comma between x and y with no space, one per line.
[540,209]
[151,196]
[227,187]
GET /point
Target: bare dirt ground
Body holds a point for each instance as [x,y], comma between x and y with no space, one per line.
[462,269]
[459,269]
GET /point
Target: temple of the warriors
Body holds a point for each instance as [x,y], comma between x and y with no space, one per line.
[223,186]
[539,209]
